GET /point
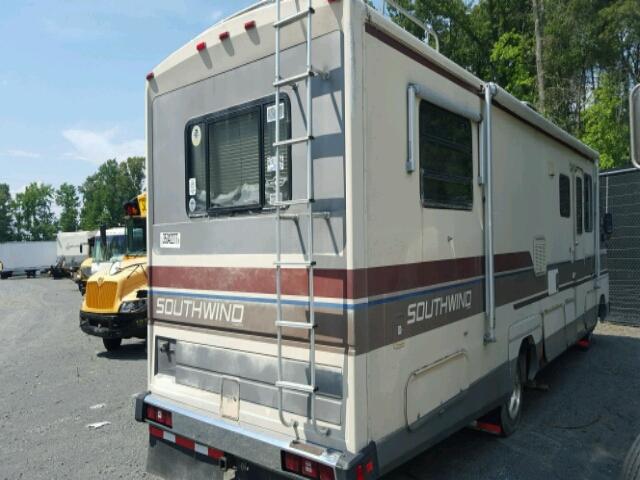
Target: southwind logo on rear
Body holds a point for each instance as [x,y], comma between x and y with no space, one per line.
[200,309]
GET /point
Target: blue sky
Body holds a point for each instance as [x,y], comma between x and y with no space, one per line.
[72,79]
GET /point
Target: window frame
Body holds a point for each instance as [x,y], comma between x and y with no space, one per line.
[568,179]
[208,120]
[587,181]
[579,194]
[446,206]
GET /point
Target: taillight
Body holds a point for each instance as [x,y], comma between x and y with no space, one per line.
[305,467]
[159,415]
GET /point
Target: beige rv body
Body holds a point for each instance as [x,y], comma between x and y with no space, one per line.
[400,294]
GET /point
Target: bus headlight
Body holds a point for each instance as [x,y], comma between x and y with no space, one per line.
[134,306]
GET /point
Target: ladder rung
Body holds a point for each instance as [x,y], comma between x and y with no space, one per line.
[301,387]
[295,201]
[305,263]
[296,216]
[295,17]
[293,79]
[300,325]
[293,141]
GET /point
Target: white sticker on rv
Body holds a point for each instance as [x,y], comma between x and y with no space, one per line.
[271,113]
[192,186]
[196,136]
[169,239]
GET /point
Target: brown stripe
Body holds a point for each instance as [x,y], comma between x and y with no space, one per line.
[392,42]
[334,283]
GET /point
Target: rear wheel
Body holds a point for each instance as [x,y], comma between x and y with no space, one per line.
[511,409]
[112,344]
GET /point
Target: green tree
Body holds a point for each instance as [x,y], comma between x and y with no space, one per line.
[34,219]
[105,192]
[67,199]
[6,214]
[512,57]
[605,123]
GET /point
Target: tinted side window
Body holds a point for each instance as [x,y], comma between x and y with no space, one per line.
[446,159]
[578,205]
[565,196]
[588,203]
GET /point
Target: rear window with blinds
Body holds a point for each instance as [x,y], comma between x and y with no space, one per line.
[231,161]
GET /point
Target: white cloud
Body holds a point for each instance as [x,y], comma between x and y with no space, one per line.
[99,146]
[22,154]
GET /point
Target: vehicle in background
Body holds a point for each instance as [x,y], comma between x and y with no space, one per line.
[83,273]
[355,260]
[72,250]
[115,302]
[26,258]
[108,248]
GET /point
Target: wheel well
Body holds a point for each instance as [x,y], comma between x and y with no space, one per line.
[602,308]
[529,353]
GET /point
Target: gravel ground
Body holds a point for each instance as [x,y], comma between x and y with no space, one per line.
[52,375]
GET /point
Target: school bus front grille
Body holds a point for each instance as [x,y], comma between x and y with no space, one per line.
[101,297]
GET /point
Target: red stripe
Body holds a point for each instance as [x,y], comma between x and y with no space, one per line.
[333,283]
[215,454]
[155,432]
[185,442]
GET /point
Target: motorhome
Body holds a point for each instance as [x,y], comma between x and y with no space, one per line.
[356,247]
[114,306]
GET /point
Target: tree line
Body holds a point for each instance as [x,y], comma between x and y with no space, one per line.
[30,216]
[574,60]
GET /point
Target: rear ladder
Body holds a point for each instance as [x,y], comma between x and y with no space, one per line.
[308,263]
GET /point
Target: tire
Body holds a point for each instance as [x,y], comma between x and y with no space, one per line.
[631,466]
[112,344]
[511,409]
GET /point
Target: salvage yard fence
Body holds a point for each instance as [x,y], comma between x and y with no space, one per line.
[620,196]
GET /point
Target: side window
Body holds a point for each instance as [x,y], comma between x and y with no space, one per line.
[446,159]
[588,203]
[578,205]
[565,196]
[230,159]
[196,170]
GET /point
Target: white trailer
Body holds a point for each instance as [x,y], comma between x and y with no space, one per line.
[26,258]
[340,282]
[73,247]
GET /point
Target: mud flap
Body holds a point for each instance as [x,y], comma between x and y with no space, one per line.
[172,462]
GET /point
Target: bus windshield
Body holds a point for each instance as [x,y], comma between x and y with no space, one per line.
[136,236]
[115,248]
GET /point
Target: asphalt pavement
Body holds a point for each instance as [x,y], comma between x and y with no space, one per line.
[59,387]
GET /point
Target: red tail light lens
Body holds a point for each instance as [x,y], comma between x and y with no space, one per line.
[359,472]
[160,416]
[305,467]
[325,473]
[291,463]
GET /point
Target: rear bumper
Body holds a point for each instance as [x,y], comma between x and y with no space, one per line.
[114,325]
[245,449]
